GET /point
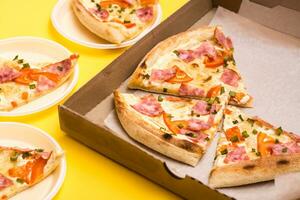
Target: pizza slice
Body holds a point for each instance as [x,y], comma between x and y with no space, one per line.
[251,150]
[21,83]
[179,128]
[194,64]
[117,20]
[23,168]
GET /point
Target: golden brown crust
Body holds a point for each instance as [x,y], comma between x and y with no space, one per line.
[149,135]
[110,31]
[253,171]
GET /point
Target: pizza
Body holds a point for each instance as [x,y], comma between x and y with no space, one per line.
[21,82]
[179,128]
[252,150]
[22,168]
[195,64]
[116,20]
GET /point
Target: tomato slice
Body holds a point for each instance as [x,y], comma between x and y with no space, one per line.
[180,77]
[234,134]
[214,63]
[214,91]
[174,126]
[53,77]
[264,143]
[148,2]
[227,111]
[24,95]
[106,4]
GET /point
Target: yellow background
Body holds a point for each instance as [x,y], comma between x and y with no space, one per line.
[89,174]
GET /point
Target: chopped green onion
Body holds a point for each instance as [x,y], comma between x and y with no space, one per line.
[223,152]
[39,150]
[167,136]
[207,139]
[241,118]
[191,135]
[254,131]
[234,139]
[16,57]
[20,61]
[98,6]
[180,126]
[253,150]
[235,121]
[14,157]
[160,98]
[250,121]
[165,90]
[245,134]
[258,153]
[222,90]
[176,52]
[21,181]
[232,93]
[25,155]
[145,76]
[284,150]
[126,21]
[276,141]
[26,65]
[132,12]
[279,130]
[32,86]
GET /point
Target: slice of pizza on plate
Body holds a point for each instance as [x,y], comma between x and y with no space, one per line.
[22,168]
[20,82]
[179,128]
[194,64]
[251,150]
[117,20]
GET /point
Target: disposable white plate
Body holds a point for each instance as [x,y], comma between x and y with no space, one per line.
[38,50]
[22,135]
[67,24]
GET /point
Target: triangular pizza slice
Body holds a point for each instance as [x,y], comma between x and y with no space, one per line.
[179,128]
[22,168]
[192,64]
[21,82]
[251,150]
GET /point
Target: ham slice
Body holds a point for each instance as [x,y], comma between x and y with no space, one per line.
[230,77]
[149,106]
[4,182]
[145,14]
[8,74]
[205,49]
[61,68]
[197,125]
[44,84]
[200,108]
[287,148]
[162,74]
[237,154]
[188,90]
[102,14]
[226,42]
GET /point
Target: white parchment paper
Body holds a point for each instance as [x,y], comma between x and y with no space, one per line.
[269,62]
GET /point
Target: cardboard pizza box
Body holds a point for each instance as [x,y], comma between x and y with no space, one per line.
[88,116]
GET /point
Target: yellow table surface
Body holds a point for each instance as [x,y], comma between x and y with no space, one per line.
[89,174]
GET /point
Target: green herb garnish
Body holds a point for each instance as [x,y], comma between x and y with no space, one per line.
[241,118]
[167,136]
[32,86]
[26,65]
[234,139]
[98,6]
[176,52]
[21,181]
[191,135]
[276,141]
[223,152]
[232,93]
[253,150]
[26,155]
[235,121]
[16,57]
[284,150]
[20,61]
[180,126]
[126,21]
[258,153]
[245,134]
[165,90]
[254,131]
[145,76]
[250,121]
[14,157]
[39,150]
[279,130]
[160,98]
[222,90]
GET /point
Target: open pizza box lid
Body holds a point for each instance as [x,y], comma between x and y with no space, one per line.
[267,52]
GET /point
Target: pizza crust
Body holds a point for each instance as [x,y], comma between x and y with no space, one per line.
[149,135]
[110,31]
[253,171]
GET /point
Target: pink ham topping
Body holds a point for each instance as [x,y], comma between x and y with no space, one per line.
[201,108]
[205,49]
[102,14]
[130,2]
[287,148]
[4,182]
[222,40]
[197,137]
[145,14]
[61,68]
[162,74]
[44,84]
[8,74]
[238,154]
[230,77]
[149,106]
[198,125]
[187,90]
